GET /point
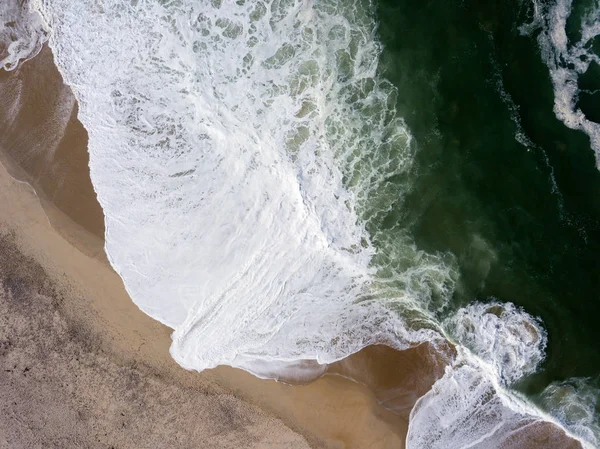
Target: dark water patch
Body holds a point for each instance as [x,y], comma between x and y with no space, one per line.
[579,8]
[523,220]
[589,103]
[595,45]
[590,80]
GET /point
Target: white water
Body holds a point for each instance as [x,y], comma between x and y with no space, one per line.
[567,60]
[471,407]
[508,339]
[22,33]
[239,152]
[468,408]
[575,402]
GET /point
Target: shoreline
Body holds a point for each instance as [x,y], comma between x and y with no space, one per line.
[371,410]
[95,299]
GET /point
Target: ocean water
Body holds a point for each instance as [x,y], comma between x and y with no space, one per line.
[507,182]
[286,182]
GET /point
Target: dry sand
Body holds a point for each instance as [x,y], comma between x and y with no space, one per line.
[81,366]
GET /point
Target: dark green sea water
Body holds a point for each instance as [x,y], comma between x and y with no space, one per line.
[523,220]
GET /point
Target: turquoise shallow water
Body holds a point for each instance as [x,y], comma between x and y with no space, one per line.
[502,183]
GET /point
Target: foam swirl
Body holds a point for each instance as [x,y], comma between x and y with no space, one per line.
[566,60]
[22,33]
[507,338]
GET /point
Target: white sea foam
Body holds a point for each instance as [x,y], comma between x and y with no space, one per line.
[507,338]
[468,408]
[463,409]
[567,60]
[499,344]
[575,403]
[22,33]
[233,148]
[513,109]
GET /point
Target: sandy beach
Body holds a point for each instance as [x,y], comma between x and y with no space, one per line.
[97,323]
[82,366]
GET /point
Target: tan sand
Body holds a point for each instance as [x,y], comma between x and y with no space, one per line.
[81,366]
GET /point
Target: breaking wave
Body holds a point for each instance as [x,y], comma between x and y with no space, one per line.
[239,153]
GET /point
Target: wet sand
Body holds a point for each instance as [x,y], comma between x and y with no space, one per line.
[81,366]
